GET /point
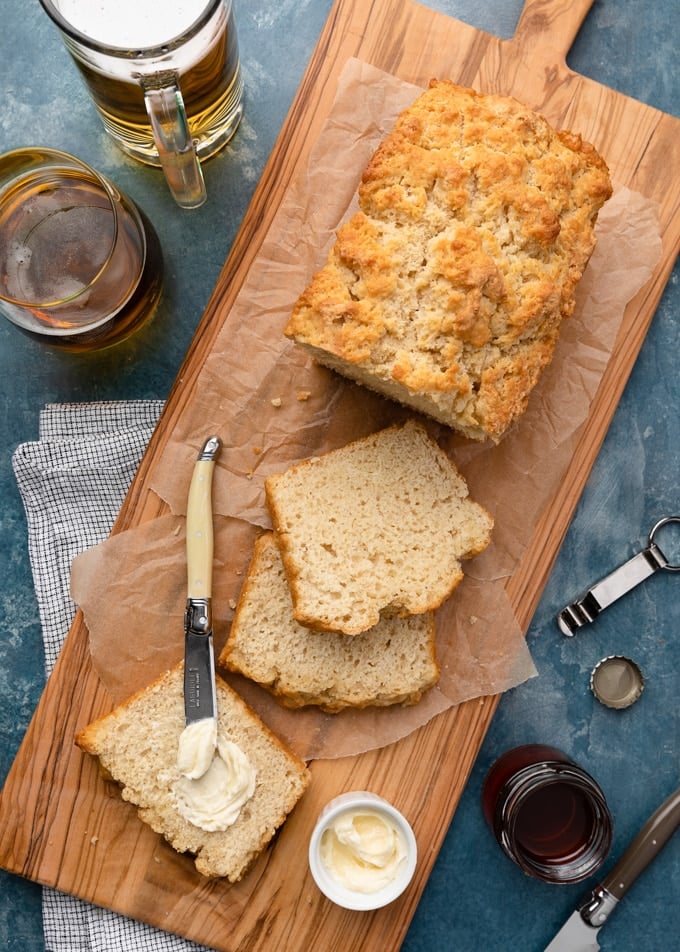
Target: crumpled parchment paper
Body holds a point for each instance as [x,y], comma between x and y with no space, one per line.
[272,407]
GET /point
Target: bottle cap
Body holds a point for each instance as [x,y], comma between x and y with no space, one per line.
[617,681]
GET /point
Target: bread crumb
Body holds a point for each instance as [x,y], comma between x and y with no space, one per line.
[232,603]
[94,840]
[257,450]
[276,402]
[303,395]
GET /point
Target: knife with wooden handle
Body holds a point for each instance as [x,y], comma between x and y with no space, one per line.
[579,933]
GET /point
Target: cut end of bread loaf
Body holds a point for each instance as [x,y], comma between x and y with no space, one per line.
[377,527]
[392,663]
[137,743]
[446,291]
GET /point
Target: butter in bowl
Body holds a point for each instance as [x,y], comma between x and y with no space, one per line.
[362,852]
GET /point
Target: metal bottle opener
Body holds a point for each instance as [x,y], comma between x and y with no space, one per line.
[588,606]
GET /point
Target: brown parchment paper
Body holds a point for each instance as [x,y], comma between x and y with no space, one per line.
[272,406]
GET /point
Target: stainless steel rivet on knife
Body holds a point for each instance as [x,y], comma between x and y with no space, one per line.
[588,606]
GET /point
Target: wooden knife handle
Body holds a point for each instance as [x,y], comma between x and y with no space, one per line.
[200,524]
[650,840]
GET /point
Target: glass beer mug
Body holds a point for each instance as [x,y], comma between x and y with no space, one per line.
[165,78]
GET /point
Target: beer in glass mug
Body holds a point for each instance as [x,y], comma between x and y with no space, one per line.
[165,78]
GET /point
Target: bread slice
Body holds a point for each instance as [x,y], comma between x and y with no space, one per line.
[392,663]
[376,527]
[447,289]
[137,746]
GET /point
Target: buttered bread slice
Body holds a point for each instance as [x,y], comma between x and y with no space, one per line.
[137,745]
[391,663]
[377,527]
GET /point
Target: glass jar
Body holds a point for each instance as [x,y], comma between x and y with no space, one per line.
[548,815]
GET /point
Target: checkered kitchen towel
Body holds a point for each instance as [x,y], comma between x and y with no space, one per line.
[73,480]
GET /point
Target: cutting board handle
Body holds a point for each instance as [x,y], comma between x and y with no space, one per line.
[549,27]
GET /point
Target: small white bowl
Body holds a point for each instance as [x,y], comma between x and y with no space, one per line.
[339,894]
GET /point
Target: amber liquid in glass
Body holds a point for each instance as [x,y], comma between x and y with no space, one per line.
[93,281]
[211,90]
[137,311]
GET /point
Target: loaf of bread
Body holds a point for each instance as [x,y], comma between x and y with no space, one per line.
[392,663]
[137,746]
[377,527]
[446,290]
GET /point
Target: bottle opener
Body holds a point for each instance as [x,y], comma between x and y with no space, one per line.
[588,606]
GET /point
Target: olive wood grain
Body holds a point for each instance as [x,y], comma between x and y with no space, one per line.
[60,823]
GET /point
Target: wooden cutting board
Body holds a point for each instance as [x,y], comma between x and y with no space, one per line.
[60,824]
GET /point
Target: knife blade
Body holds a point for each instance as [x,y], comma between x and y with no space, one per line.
[200,702]
[579,933]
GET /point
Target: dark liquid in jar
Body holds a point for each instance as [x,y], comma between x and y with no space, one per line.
[507,765]
[547,814]
[554,823]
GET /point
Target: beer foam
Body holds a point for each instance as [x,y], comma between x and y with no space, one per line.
[131,24]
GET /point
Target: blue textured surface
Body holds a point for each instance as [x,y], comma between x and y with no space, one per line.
[476,899]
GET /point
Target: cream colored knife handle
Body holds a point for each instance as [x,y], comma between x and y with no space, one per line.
[200,523]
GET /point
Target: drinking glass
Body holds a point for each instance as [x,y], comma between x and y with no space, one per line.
[80,264]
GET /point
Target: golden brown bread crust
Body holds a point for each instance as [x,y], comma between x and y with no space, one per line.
[447,289]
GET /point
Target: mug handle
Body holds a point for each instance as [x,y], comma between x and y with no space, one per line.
[171,133]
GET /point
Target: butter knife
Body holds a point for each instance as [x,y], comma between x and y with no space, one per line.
[200,703]
[579,933]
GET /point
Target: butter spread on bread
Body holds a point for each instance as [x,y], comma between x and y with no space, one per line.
[136,745]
